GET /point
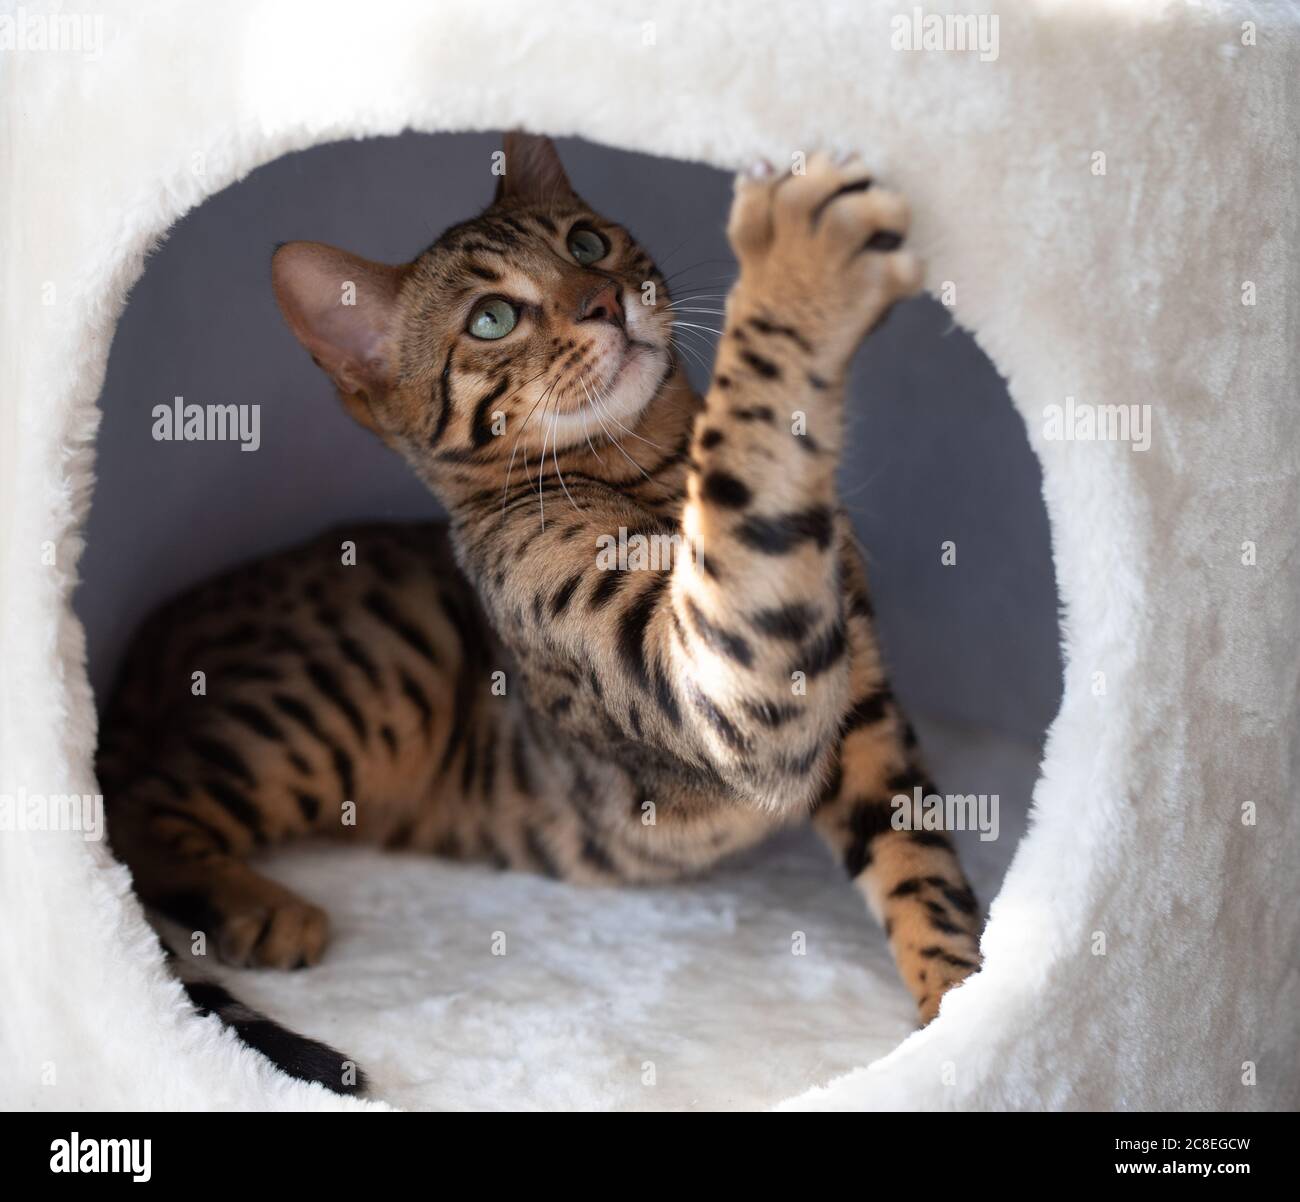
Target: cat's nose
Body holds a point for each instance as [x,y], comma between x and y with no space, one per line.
[602,304]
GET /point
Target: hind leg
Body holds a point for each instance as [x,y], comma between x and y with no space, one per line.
[186,852]
[328,697]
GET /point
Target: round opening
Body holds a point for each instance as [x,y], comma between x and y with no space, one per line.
[761,979]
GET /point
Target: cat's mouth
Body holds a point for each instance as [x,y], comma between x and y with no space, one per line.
[628,352]
[608,401]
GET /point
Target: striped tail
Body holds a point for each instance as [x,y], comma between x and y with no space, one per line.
[300,1057]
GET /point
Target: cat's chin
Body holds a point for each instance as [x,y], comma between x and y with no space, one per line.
[614,409]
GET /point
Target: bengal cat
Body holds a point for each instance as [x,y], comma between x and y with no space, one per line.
[494,688]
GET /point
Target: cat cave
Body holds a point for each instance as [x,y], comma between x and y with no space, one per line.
[1106,193]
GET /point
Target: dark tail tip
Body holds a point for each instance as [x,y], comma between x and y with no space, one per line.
[300,1057]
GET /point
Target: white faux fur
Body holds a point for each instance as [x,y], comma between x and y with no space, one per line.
[1125,287]
[730,992]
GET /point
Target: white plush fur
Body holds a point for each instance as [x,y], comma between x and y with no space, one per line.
[739,989]
[1122,288]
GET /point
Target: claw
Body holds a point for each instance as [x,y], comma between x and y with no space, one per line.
[908,272]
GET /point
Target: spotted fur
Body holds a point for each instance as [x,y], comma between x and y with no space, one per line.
[487,689]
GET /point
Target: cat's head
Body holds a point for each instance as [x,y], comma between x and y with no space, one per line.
[532,320]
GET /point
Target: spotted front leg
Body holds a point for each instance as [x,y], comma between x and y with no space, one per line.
[911,879]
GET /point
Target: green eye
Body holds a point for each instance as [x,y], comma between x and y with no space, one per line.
[493,319]
[587,246]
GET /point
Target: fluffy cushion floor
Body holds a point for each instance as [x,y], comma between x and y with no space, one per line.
[671,998]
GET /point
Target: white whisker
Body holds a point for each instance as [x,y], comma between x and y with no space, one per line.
[614,441]
[514,446]
[555,454]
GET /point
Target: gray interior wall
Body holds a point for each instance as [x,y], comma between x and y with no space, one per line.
[936,452]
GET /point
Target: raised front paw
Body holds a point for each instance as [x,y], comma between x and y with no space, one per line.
[822,248]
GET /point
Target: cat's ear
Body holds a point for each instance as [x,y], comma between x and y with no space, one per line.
[343,309]
[533,171]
